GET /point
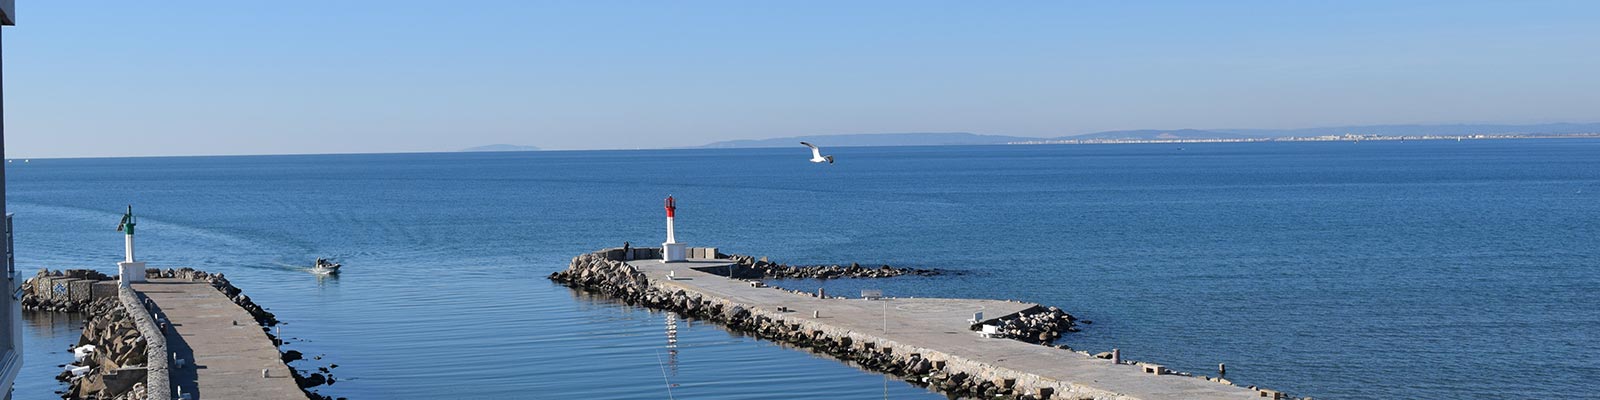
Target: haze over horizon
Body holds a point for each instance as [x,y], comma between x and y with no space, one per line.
[203,78]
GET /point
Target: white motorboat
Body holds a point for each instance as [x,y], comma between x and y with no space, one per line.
[325,267]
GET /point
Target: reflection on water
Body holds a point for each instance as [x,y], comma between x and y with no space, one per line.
[672,343]
[41,321]
[50,337]
[670,370]
[324,280]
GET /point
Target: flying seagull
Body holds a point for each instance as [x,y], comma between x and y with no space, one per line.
[816,154]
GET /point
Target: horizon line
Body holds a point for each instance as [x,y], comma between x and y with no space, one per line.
[1044,142]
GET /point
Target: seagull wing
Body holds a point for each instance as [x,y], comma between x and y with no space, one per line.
[817,153]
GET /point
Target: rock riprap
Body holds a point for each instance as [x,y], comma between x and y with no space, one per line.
[1038,325]
[113,356]
[748,267]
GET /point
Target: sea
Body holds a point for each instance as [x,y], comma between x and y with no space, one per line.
[1337,270]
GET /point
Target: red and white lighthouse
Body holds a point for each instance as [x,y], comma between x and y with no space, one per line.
[672,250]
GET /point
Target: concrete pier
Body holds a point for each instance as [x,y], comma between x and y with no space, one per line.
[224,349]
[930,329]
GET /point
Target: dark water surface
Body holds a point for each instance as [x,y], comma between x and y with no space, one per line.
[1334,270]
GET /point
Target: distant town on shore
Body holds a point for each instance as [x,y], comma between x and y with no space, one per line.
[1340,133]
[1324,138]
[1328,134]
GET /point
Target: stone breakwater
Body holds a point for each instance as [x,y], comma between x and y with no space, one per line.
[115,356]
[116,361]
[596,273]
[920,351]
[306,380]
[748,267]
[128,359]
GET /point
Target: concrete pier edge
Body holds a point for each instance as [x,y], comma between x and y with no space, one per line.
[158,378]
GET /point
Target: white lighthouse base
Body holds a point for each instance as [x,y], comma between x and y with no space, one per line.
[131,272]
[671,252]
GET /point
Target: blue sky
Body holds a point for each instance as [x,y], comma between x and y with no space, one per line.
[116,78]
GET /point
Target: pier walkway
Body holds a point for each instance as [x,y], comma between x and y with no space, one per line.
[941,325]
[225,348]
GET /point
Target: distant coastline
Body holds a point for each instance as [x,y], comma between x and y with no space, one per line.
[1570,131]
[1329,138]
[1323,134]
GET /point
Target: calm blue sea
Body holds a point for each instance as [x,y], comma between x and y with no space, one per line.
[1335,270]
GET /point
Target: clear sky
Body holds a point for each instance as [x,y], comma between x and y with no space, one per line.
[171,77]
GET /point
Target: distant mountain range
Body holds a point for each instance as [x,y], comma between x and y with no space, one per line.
[965,138]
[502,147]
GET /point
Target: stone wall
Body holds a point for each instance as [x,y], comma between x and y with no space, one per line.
[157,372]
[646,253]
[66,291]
